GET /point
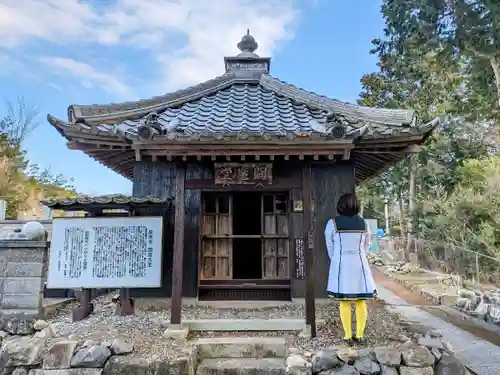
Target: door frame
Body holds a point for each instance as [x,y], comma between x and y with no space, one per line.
[284,283]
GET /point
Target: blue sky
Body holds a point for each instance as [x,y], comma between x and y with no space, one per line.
[61,52]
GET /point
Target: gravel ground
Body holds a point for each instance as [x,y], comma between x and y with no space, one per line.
[146,328]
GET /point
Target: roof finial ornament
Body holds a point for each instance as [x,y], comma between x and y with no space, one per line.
[248,43]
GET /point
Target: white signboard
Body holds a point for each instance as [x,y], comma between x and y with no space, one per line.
[119,252]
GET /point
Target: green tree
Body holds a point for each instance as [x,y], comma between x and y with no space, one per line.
[462,32]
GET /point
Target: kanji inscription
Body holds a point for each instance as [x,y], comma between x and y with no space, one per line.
[243,173]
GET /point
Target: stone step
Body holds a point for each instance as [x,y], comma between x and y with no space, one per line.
[288,324]
[241,347]
[242,366]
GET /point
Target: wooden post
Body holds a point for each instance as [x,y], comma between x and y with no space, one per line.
[86,307]
[3,209]
[177,266]
[309,240]
[125,305]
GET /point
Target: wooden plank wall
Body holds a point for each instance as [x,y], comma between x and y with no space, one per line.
[329,183]
[158,179]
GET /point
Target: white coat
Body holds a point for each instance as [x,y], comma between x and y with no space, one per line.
[350,276]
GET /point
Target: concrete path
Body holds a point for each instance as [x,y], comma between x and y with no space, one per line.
[479,355]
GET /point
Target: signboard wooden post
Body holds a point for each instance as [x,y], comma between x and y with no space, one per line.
[99,252]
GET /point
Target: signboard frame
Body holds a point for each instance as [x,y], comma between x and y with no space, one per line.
[149,261]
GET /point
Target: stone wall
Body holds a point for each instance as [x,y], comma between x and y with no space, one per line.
[22,277]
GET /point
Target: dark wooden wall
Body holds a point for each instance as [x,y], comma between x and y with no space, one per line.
[329,183]
[158,179]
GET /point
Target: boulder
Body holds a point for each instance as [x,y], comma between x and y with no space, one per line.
[22,351]
[120,347]
[91,357]
[449,365]
[366,366]
[417,356]
[59,355]
[388,356]
[325,359]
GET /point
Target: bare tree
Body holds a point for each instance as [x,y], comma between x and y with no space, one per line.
[20,120]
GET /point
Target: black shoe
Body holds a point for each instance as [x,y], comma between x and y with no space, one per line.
[358,340]
[349,342]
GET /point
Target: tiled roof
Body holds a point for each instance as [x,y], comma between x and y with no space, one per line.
[104,200]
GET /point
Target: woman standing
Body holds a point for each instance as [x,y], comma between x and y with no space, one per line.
[350,278]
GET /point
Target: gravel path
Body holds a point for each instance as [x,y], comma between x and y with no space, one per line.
[146,328]
[480,355]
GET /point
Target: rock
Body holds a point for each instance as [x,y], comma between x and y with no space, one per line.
[325,359]
[45,333]
[348,355]
[91,357]
[435,334]
[367,353]
[120,347]
[59,355]
[20,371]
[388,370]
[344,370]
[71,371]
[295,364]
[430,342]
[417,356]
[3,334]
[16,326]
[388,356]
[126,365]
[40,324]
[416,370]
[89,343]
[449,365]
[366,366]
[437,354]
[402,338]
[22,351]
[447,346]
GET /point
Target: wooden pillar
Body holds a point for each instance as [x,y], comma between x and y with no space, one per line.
[307,216]
[125,304]
[177,264]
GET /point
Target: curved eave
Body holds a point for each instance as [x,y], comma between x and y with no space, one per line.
[369,163]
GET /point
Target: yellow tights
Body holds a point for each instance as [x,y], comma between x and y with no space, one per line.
[361,318]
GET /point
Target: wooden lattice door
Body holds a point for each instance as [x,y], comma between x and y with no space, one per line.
[216,242]
[275,241]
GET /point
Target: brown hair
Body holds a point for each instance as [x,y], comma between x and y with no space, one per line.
[348,205]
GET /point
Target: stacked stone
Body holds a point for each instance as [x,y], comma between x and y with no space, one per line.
[430,356]
[483,305]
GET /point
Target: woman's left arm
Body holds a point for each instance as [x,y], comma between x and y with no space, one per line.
[329,232]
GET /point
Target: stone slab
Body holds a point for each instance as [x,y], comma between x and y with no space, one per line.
[27,269]
[21,301]
[241,347]
[249,324]
[26,254]
[242,366]
[22,285]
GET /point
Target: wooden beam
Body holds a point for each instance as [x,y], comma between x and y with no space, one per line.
[177,265]
[309,241]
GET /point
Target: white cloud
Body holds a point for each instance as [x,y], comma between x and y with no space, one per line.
[88,75]
[186,38]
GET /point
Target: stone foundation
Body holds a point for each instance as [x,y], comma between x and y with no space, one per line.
[38,352]
[22,277]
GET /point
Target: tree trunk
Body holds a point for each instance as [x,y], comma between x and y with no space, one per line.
[402,217]
[362,206]
[495,65]
[411,202]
